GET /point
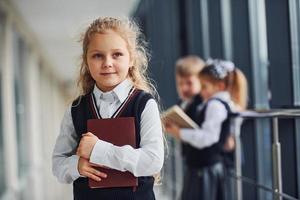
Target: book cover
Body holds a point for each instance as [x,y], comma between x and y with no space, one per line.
[120,132]
[178,116]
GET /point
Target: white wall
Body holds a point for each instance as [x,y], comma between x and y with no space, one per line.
[45,103]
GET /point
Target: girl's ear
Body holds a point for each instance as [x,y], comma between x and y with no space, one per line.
[221,85]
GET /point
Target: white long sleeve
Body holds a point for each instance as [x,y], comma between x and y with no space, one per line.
[64,158]
[210,131]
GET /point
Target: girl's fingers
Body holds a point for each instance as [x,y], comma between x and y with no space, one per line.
[96,172]
[95,165]
[88,134]
[92,176]
[101,174]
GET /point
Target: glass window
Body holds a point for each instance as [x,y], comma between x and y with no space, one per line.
[19,49]
[282,93]
[2,168]
[43,109]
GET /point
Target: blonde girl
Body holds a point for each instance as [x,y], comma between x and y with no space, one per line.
[113,83]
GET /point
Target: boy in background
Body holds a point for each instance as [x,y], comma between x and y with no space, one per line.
[188,89]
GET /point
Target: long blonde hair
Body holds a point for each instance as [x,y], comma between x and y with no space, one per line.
[238,88]
[136,45]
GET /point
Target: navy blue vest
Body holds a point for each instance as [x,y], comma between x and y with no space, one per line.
[82,110]
[191,110]
[197,158]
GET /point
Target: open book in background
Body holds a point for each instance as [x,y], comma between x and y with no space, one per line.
[120,132]
[178,116]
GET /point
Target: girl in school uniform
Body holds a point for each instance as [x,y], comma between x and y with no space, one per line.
[224,88]
[113,83]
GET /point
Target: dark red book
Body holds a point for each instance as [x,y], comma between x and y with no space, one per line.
[120,132]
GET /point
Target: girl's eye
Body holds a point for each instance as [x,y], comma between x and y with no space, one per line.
[118,54]
[97,55]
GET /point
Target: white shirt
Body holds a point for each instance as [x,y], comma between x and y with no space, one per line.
[184,104]
[144,161]
[210,131]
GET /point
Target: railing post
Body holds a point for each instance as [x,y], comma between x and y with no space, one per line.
[276,151]
[238,156]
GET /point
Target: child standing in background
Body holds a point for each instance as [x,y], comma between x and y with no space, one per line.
[188,89]
[188,85]
[224,88]
[114,83]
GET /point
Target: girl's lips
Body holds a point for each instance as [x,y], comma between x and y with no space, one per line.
[106,74]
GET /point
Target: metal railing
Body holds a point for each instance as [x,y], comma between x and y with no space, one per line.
[274,115]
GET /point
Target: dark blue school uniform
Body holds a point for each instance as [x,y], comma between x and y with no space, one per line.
[82,110]
[191,111]
[205,174]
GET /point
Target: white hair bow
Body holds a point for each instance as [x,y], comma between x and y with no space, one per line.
[221,67]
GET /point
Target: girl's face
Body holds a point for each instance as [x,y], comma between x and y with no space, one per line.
[208,88]
[108,59]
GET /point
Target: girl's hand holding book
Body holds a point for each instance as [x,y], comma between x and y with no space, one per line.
[86,169]
[86,145]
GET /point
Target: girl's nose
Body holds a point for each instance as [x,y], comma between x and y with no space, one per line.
[107,62]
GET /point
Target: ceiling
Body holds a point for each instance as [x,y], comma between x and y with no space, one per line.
[57,25]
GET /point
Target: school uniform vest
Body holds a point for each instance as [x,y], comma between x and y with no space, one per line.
[82,110]
[191,111]
[197,158]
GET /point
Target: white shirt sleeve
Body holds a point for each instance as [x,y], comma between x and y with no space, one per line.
[64,158]
[210,131]
[144,161]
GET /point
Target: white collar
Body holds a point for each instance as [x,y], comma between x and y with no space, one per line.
[120,92]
